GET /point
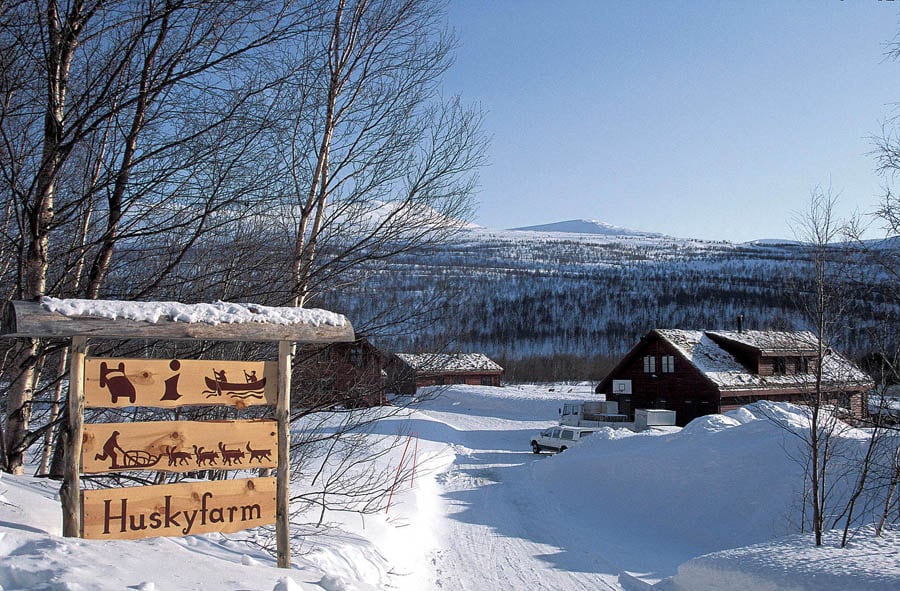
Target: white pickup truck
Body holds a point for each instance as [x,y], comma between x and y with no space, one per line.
[558,439]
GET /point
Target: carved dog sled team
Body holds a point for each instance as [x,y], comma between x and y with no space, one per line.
[209,456]
[140,459]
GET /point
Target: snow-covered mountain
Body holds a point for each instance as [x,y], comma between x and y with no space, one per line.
[585,227]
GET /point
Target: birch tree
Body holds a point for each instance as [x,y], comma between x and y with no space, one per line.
[106,85]
[823,305]
[373,161]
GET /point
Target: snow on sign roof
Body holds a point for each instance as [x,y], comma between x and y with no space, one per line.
[449,362]
[726,372]
[215,313]
[52,317]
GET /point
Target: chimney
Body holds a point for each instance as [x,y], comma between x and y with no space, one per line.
[740,322]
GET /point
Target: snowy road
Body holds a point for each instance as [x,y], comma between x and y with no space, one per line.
[495,532]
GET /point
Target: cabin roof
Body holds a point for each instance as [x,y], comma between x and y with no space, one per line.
[771,341]
[449,362]
[725,371]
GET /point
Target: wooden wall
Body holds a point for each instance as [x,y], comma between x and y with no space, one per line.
[685,390]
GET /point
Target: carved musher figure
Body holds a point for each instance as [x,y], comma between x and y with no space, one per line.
[111,449]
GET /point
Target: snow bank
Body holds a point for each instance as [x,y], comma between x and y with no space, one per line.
[34,557]
[700,488]
[655,501]
[794,563]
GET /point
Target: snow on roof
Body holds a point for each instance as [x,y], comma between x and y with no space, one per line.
[214,313]
[771,341]
[449,362]
[726,372]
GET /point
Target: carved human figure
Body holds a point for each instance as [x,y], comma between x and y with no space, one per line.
[110,450]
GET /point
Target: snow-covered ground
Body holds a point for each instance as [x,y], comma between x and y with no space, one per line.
[713,506]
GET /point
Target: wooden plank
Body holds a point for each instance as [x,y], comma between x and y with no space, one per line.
[183,509]
[69,493]
[25,318]
[283,418]
[169,383]
[179,446]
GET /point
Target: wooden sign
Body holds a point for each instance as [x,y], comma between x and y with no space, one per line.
[179,446]
[171,383]
[183,509]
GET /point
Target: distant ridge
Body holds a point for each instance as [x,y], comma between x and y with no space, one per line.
[587,227]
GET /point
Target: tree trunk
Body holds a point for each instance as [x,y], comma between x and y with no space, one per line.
[47,453]
[61,46]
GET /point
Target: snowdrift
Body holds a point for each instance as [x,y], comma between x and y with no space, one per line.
[723,482]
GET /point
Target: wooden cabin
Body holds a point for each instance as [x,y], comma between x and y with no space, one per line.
[407,372]
[348,375]
[696,373]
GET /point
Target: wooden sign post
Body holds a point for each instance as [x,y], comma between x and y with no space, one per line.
[70,493]
[177,446]
[283,418]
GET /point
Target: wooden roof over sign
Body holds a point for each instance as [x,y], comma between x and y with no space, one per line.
[221,321]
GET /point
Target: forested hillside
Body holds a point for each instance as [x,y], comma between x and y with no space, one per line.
[535,295]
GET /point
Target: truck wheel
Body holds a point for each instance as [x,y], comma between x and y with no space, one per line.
[535,447]
[562,449]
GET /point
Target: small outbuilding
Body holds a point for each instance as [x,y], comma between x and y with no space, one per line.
[697,373]
[407,371]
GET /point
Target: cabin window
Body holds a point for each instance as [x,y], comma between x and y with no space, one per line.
[356,357]
[803,364]
[668,363]
[324,355]
[779,366]
[844,400]
[649,364]
[487,381]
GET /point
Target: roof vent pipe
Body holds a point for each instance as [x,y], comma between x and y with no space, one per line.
[740,322]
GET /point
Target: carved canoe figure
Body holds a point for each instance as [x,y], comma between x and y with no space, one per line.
[219,385]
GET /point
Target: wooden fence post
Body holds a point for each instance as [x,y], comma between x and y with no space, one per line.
[283,417]
[70,493]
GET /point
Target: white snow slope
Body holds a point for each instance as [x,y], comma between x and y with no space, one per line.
[714,506]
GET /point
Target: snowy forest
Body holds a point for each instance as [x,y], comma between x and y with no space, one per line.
[567,306]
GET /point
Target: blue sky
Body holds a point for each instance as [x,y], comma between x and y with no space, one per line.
[698,119]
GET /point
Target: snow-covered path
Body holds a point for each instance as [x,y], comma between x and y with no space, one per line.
[495,533]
